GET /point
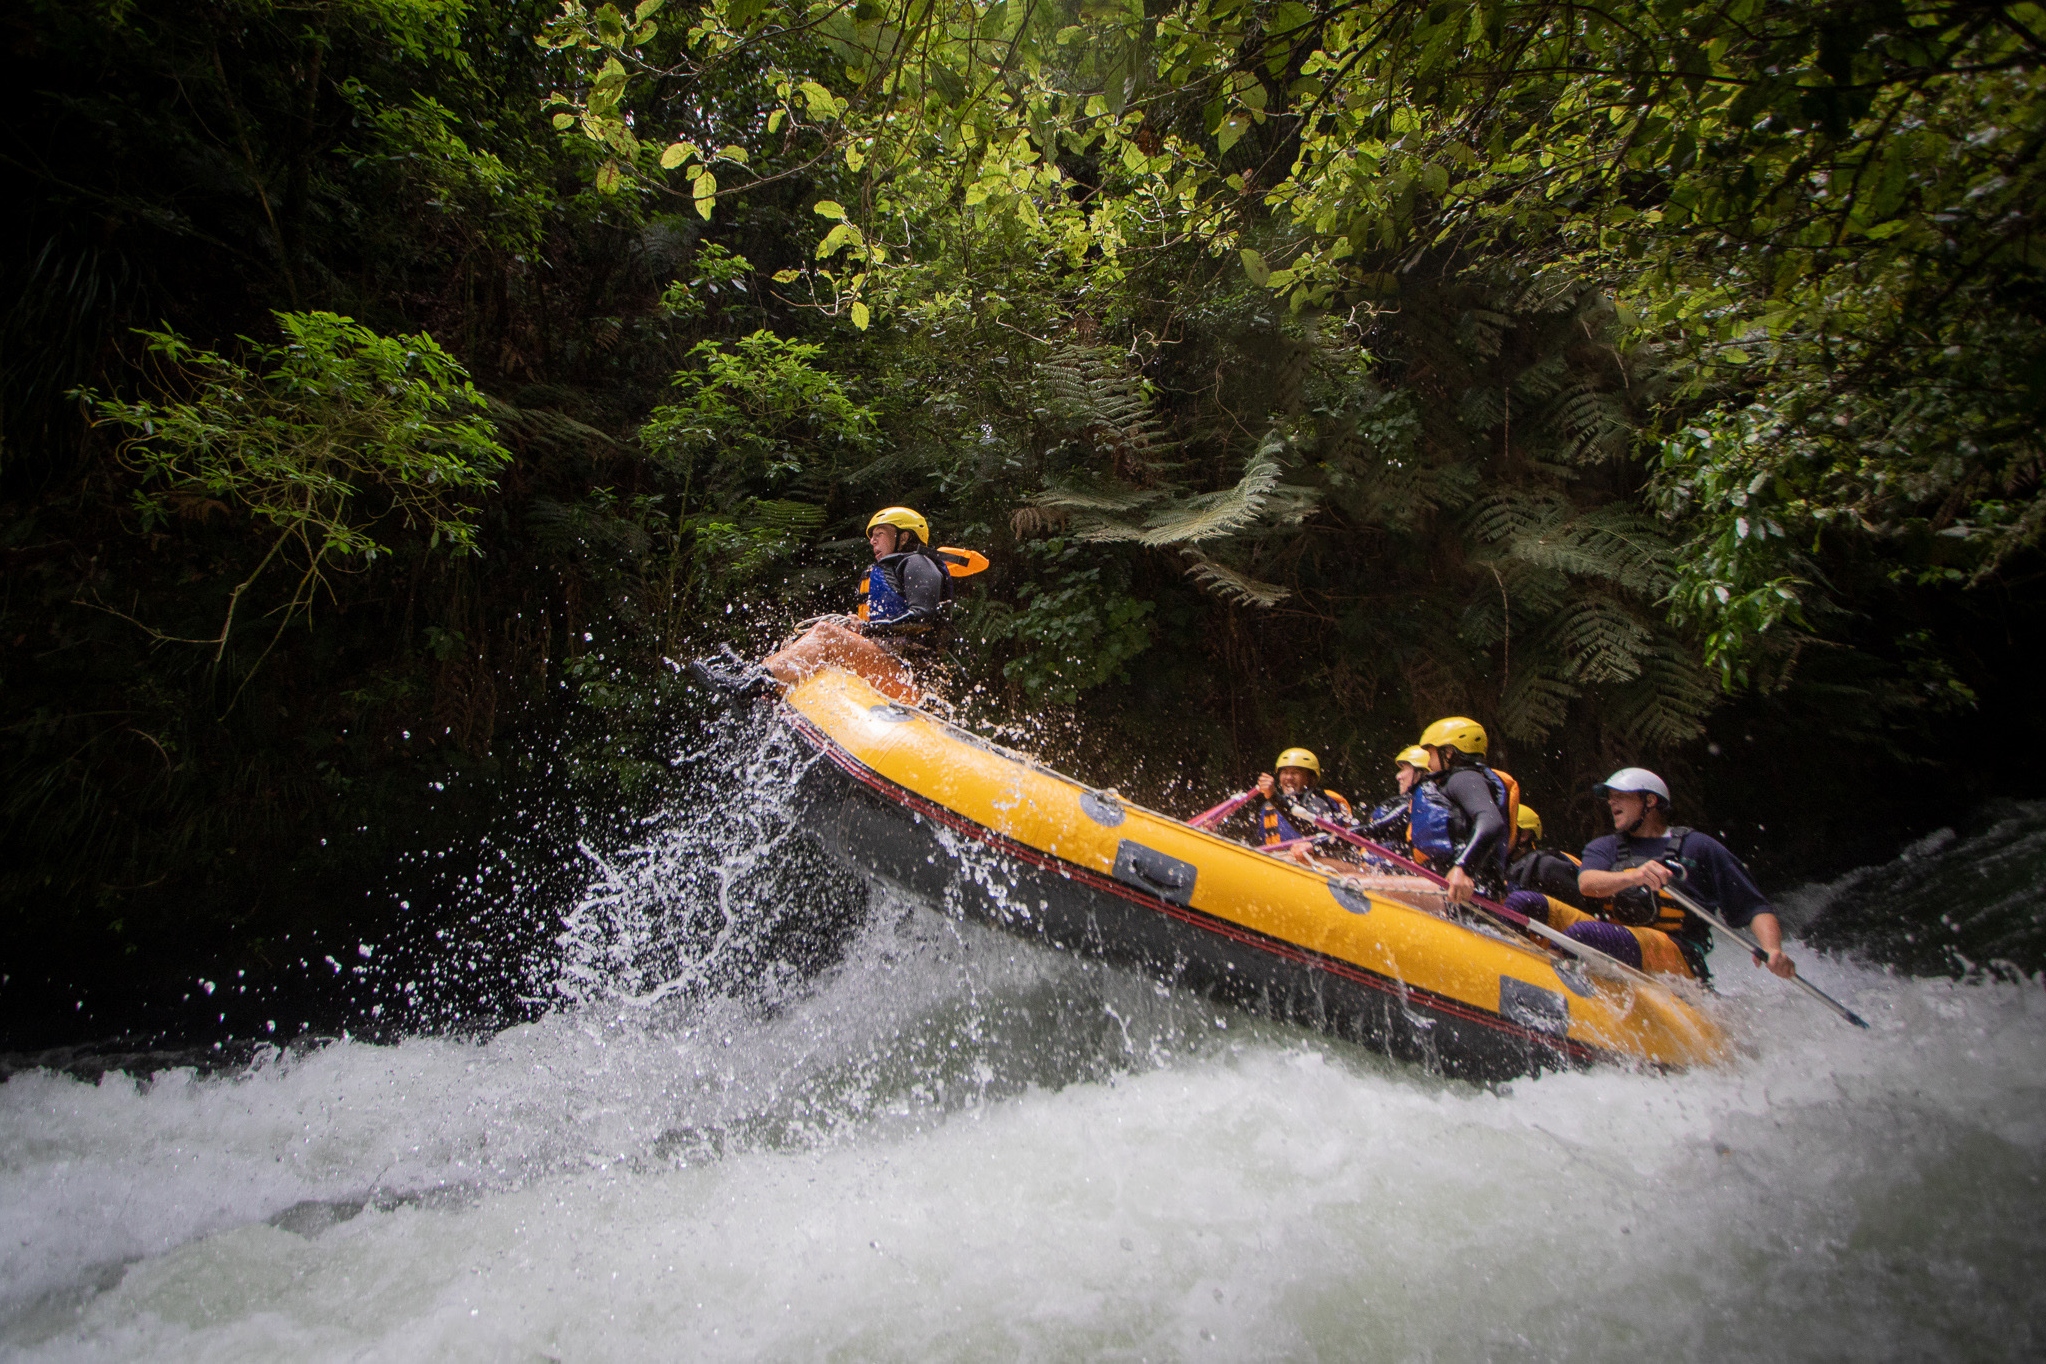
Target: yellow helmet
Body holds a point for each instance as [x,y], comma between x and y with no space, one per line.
[1413,755]
[1530,821]
[1298,757]
[903,517]
[1456,732]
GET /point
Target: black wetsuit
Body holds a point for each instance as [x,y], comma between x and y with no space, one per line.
[915,602]
[1481,836]
[1551,873]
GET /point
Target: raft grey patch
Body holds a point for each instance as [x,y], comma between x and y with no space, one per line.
[1102,809]
[1168,878]
[1571,973]
[1348,896]
[1533,1007]
[893,712]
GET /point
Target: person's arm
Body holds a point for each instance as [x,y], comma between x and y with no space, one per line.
[1739,900]
[921,584]
[1388,820]
[1768,931]
[1604,885]
[1473,794]
[1596,879]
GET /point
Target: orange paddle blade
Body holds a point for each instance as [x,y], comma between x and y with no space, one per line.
[963,563]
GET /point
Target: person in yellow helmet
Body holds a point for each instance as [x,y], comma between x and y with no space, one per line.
[1291,803]
[1388,822]
[905,597]
[907,593]
[1540,869]
[1463,812]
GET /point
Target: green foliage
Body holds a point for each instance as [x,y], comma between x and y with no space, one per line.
[1307,370]
[321,439]
[1071,631]
[746,418]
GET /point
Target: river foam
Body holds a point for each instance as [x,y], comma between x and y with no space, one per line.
[957,1145]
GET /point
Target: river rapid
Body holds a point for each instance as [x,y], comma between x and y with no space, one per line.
[937,1141]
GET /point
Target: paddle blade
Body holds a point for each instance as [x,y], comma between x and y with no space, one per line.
[962,563]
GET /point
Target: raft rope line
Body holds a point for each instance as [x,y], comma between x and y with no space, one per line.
[1397,989]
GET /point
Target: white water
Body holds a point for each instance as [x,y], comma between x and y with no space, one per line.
[956,1145]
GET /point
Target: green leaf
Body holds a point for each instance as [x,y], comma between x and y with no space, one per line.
[733,152]
[829,208]
[706,193]
[676,153]
[860,316]
[1287,17]
[842,235]
[647,8]
[787,276]
[609,177]
[1232,130]
[822,103]
[564,121]
[1254,266]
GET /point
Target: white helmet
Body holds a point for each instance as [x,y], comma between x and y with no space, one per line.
[1634,779]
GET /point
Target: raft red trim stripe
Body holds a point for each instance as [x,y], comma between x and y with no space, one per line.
[1278,947]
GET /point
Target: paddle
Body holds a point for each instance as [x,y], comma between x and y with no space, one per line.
[1590,956]
[1748,942]
[1207,819]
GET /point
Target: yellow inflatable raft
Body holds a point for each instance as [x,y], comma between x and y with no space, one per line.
[906,796]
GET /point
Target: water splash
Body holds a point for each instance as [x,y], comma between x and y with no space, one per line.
[936,1140]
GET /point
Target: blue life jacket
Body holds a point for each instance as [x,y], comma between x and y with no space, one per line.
[1438,828]
[879,601]
[882,602]
[1279,829]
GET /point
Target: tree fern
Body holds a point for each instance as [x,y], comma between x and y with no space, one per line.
[1094,389]
[1588,424]
[1535,703]
[1599,641]
[1211,516]
[1228,584]
[1668,703]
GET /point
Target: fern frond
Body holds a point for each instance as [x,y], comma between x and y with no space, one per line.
[1094,388]
[1667,705]
[1503,516]
[1599,642]
[1481,331]
[1227,583]
[1481,408]
[1074,498]
[1211,516]
[1617,546]
[1542,380]
[1535,703]
[790,518]
[1589,424]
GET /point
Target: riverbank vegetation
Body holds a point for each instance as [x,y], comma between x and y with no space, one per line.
[391,386]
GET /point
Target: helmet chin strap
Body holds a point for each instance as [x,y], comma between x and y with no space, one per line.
[1641,818]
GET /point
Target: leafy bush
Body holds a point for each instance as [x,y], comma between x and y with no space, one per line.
[326,440]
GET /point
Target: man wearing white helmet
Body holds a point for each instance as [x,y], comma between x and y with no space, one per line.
[1626,871]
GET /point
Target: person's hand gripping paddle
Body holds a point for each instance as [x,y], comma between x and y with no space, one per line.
[1670,889]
